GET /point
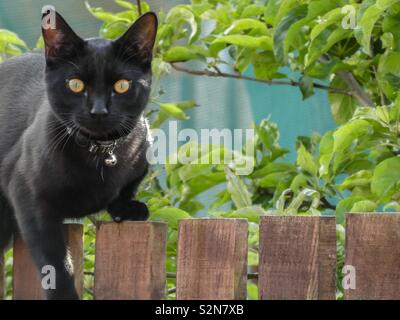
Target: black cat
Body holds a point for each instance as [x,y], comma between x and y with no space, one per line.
[73,138]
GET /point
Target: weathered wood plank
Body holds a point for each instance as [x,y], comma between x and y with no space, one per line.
[297,258]
[212,259]
[373,249]
[26,283]
[130,261]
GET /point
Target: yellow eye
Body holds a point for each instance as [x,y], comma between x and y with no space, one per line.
[76,85]
[122,86]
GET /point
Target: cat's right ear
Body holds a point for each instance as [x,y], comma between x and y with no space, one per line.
[59,39]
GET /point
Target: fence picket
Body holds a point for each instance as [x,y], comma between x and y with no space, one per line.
[26,284]
[212,259]
[372,248]
[297,257]
[130,261]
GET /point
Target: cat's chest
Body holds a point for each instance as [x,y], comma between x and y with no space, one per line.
[85,190]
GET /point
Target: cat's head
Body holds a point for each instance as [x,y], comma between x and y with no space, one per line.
[98,85]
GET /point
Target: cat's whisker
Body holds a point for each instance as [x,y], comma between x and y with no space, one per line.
[55,144]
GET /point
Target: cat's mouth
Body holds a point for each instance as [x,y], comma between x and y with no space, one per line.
[100,130]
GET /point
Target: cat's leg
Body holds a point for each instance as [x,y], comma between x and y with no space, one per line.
[43,233]
[125,208]
[7,223]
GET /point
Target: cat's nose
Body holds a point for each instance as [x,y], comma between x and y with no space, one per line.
[99,110]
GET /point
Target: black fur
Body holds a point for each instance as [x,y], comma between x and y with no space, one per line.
[45,176]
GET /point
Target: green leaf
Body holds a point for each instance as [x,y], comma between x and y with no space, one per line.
[265,66]
[364,206]
[359,179]
[114,29]
[126,4]
[342,106]
[243,59]
[192,206]
[250,213]
[393,205]
[271,11]
[296,37]
[344,206]
[284,8]
[383,114]
[299,182]
[241,25]
[389,73]
[177,54]
[346,134]
[103,15]
[252,11]
[386,177]
[202,183]
[298,200]
[369,18]
[245,41]
[241,197]
[332,17]
[326,143]
[9,37]
[272,168]
[174,111]
[40,43]
[272,180]
[10,44]
[389,63]
[306,87]
[190,171]
[306,161]
[358,165]
[267,133]
[181,14]
[280,49]
[170,215]
[388,40]
[395,110]
[221,198]
[324,41]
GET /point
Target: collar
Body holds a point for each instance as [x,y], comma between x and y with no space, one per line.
[98,147]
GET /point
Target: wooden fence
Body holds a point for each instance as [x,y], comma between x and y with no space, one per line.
[297,259]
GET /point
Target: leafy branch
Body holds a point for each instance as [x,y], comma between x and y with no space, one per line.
[357,91]
[218,73]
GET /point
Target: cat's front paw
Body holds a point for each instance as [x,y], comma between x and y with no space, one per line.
[129,211]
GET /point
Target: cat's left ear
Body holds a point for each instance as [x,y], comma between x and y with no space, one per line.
[138,41]
[59,39]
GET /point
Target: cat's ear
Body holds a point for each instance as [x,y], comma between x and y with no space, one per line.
[59,39]
[138,41]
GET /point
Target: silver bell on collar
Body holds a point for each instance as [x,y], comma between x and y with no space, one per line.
[110,160]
